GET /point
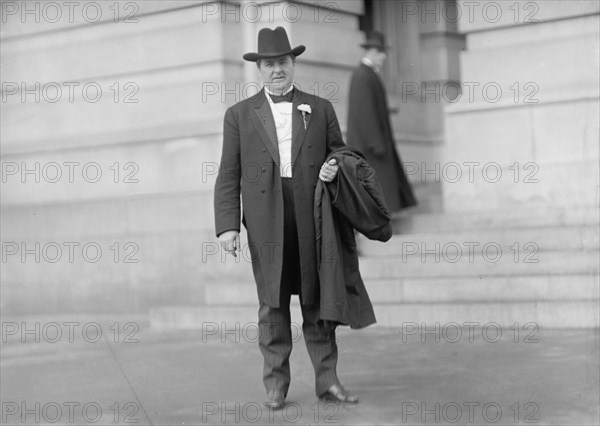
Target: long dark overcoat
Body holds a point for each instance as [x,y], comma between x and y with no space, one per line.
[370,131]
[354,200]
[250,168]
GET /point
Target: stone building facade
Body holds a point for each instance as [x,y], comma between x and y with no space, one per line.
[111,134]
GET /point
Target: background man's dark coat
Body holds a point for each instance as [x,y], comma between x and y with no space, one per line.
[250,148]
[370,130]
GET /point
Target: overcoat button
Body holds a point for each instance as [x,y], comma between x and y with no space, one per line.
[264,150]
[262,190]
[264,170]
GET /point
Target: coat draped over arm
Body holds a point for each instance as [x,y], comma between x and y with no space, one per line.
[354,200]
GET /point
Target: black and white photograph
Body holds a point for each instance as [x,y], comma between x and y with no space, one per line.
[300,212]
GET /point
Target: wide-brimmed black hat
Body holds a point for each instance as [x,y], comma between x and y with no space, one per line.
[272,44]
[375,39]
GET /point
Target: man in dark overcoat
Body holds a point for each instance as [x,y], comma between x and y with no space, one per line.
[369,127]
[274,149]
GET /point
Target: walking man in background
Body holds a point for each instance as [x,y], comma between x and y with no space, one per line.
[369,127]
[274,149]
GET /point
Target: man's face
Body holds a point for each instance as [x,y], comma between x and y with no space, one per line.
[277,73]
[378,57]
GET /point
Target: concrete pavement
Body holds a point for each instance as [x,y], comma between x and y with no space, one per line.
[104,370]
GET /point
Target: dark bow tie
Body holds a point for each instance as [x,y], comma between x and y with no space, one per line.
[288,97]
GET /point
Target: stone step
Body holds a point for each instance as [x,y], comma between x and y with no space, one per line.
[440,290]
[533,216]
[529,316]
[496,261]
[544,238]
[485,289]
[567,314]
[493,263]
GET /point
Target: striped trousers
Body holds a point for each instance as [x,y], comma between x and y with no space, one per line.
[275,334]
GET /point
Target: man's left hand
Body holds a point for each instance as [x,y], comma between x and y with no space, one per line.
[328,171]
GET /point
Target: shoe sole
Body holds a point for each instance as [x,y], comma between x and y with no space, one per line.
[273,406]
[331,399]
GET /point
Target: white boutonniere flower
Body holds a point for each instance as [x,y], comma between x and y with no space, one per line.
[305,109]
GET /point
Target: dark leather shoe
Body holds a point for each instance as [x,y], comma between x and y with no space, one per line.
[275,400]
[339,394]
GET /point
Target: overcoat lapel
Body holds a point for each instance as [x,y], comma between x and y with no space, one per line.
[298,130]
[265,125]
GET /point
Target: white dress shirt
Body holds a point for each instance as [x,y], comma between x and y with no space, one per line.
[370,64]
[282,114]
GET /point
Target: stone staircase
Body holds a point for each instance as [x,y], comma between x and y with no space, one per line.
[537,266]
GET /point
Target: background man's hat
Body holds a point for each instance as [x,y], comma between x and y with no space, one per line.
[375,39]
[272,44]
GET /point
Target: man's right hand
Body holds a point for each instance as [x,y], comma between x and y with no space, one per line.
[230,242]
